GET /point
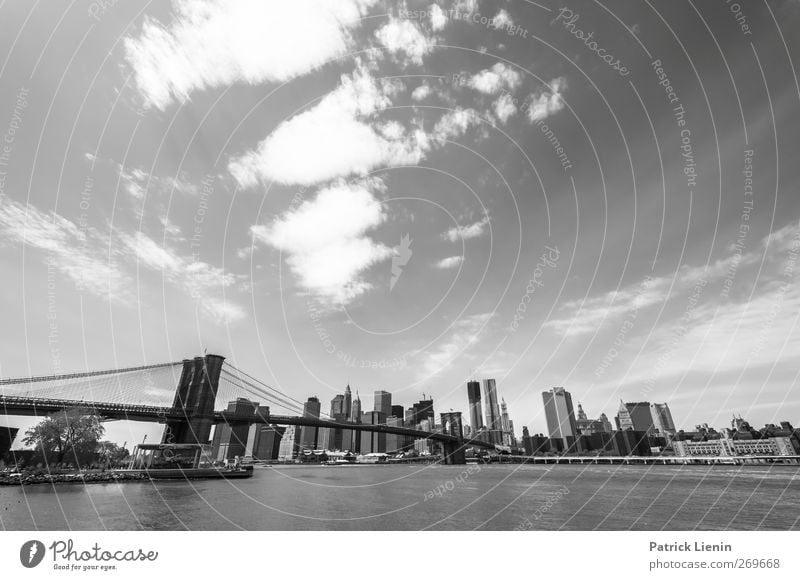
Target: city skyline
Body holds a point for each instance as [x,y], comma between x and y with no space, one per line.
[411,200]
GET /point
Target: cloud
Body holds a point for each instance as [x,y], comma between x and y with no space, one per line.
[454,124]
[333,139]
[96,261]
[504,108]
[438,18]
[213,43]
[421,93]
[448,263]
[465,333]
[325,240]
[502,20]
[80,254]
[491,81]
[460,232]
[547,103]
[404,37]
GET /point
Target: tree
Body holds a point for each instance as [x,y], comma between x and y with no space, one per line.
[111,454]
[68,434]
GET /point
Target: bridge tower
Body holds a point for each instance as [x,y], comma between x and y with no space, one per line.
[194,400]
[453,451]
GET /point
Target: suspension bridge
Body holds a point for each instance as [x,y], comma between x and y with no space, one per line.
[205,385]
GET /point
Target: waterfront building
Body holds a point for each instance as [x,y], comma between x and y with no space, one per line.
[289,447]
[508,427]
[560,415]
[383,403]
[494,420]
[372,442]
[231,438]
[728,447]
[267,441]
[474,399]
[394,442]
[635,417]
[588,426]
[308,435]
[662,419]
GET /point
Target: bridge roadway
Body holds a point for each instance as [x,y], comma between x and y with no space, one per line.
[36,407]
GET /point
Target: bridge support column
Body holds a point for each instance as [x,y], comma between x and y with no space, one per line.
[453,453]
[194,400]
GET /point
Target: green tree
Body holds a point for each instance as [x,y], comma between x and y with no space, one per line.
[71,434]
[112,455]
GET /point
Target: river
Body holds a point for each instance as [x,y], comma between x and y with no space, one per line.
[417,497]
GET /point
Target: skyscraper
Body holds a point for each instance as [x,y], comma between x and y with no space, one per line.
[422,411]
[494,421]
[383,403]
[308,435]
[560,415]
[348,402]
[338,412]
[399,412]
[355,411]
[635,417]
[506,422]
[474,398]
[662,419]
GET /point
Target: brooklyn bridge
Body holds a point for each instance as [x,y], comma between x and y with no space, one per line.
[198,402]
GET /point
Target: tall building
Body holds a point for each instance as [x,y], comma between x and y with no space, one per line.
[234,439]
[422,411]
[606,423]
[373,442]
[355,411]
[508,434]
[338,412]
[308,435]
[475,412]
[662,419]
[399,412]
[635,417]
[348,402]
[494,421]
[560,415]
[267,441]
[383,403]
[289,446]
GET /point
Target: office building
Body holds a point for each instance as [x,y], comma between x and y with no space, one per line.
[383,403]
[308,435]
[348,402]
[475,411]
[355,411]
[289,447]
[372,442]
[338,412]
[635,417]
[662,419]
[422,411]
[267,442]
[560,415]
[399,412]
[494,420]
[508,426]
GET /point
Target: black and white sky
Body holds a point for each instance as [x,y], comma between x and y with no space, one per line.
[407,195]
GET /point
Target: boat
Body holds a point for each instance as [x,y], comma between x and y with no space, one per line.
[182,461]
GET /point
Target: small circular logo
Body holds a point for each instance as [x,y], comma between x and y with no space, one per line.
[31,553]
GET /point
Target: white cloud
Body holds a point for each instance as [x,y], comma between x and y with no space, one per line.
[325,240]
[454,124]
[212,43]
[438,18]
[450,262]
[502,20]
[544,104]
[460,232]
[421,93]
[80,254]
[404,37]
[465,333]
[492,81]
[333,139]
[96,261]
[504,108]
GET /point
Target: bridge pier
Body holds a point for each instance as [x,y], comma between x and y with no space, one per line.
[194,400]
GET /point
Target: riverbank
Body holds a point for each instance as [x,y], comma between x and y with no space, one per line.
[16,479]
